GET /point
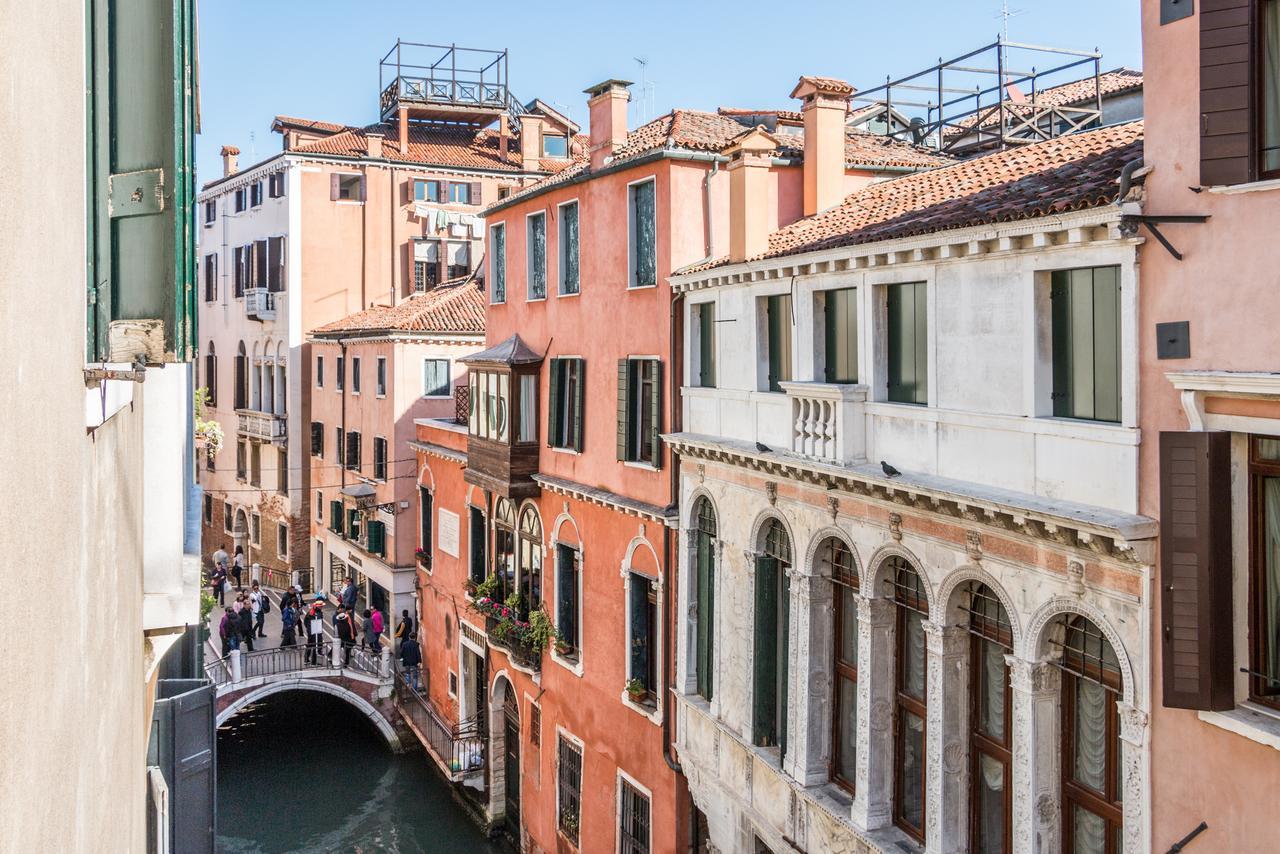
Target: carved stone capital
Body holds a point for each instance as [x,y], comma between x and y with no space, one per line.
[945,641]
[1032,677]
[874,613]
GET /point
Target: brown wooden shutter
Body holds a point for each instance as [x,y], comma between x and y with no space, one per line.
[1226,93]
[623,368]
[335,183]
[655,423]
[475,193]
[1195,570]
[553,405]
[580,373]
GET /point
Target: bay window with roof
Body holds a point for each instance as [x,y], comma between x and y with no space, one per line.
[502,422]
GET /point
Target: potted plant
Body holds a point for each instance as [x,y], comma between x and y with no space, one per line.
[541,631]
[563,647]
[423,556]
[636,690]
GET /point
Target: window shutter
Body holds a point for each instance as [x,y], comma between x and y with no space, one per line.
[623,368]
[475,192]
[655,420]
[554,439]
[335,515]
[335,186]
[1226,97]
[639,591]
[706,611]
[579,398]
[1195,570]
[377,539]
[765,665]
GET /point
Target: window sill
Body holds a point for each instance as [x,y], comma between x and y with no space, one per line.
[348,202]
[642,287]
[570,451]
[498,302]
[1251,187]
[647,708]
[567,296]
[631,464]
[571,663]
[1248,721]
[437,397]
[535,299]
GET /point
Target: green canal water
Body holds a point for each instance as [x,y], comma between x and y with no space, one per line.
[305,772]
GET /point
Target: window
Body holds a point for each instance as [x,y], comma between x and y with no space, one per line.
[282,540]
[555,145]
[641,238]
[640,411]
[319,371]
[536,255]
[535,725]
[241,199]
[355,374]
[633,819]
[317,439]
[241,392]
[498,262]
[255,529]
[1264,555]
[489,416]
[464,194]
[335,516]
[778,320]
[458,257]
[1269,77]
[844,695]
[478,568]
[319,507]
[909,699]
[990,722]
[242,461]
[1085,305]
[380,379]
[504,547]
[338,444]
[282,471]
[530,581]
[227,524]
[426,191]
[568,577]
[772,637]
[705,591]
[379,458]
[527,426]
[353,524]
[568,248]
[210,212]
[210,277]
[259,277]
[426,512]
[255,194]
[346,188]
[208,511]
[211,375]
[840,325]
[907,339]
[564,410]
[353,450]
[239,269]
[340,372]
[426,265]
[255,464]
[275,185]
[435,377]
[568,788]
[1091,785]
[704,325]
[275,279]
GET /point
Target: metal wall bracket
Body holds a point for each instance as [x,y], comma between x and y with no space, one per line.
[1129,224]
[93,377]
[135,193]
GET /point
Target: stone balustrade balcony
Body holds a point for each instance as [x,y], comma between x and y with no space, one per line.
[260,304]
[828,421]
[267,426]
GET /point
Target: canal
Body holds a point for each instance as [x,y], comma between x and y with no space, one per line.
[302,771]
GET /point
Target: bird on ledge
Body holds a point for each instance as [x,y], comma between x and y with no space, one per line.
[889,470]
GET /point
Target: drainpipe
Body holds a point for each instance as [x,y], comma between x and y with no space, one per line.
[1126,178]
[673,560]
[342,420]
[706,206]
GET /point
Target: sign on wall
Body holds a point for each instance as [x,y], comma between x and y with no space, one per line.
[448,525]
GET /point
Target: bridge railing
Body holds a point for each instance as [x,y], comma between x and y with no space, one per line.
[459,747]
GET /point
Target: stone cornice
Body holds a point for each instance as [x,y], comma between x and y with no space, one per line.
[605,498]
[431,449]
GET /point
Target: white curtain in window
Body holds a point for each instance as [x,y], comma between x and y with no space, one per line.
[1091,733]
[1089,833]
[994,682]
[459,254]
[426,250]
[528,405]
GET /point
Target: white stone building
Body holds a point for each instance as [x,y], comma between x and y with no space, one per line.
[953,657]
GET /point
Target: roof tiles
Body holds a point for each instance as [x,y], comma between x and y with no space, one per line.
[455,307]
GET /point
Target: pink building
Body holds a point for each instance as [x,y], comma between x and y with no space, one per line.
[1210,417]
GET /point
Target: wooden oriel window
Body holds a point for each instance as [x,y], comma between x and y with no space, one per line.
[1264,572]
[990,723]
[705,592]
[838,559]
[772,637]
[910,699]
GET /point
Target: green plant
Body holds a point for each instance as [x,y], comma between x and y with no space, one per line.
[541,631]
[207,602]
[486,588]
[208,430]
[513,602]
[636,688]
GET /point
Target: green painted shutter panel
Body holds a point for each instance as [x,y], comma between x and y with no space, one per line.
[706,613]
[765,665]
[377,538]
[623,377]
[655,416]
[1085,328]
[1106,343]
[841,327]
[142,105]
[579,401]
[335,516]
[784,658]
[567,589]
[907,343]
[707,345]
[555,375]
[1060,330]
[778,309]
[920,338]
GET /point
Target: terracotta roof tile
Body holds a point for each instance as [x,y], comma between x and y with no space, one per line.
[310,124]
[455,307]
[436,145]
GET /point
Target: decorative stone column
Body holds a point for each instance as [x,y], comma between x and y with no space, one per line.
[1036,690]
[1133,742]
[745,717]
[946,748]
[809,694]
[872,803]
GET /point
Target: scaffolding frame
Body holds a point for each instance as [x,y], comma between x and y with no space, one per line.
[463,84]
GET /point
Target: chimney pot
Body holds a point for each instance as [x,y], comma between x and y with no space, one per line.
[373,144]
[607,106]
[749,159]
[824,108]
[230,160]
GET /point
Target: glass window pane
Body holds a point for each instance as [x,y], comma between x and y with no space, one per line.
[644,270]
[1267,449]
[537,255]
[912,776]
[848,650]
[913,654]
[991,812]
[1269,39]
[569,249]
[1088,832]
[1268,586]
[993,684]
[528,406]
[846,729]
[1090,736]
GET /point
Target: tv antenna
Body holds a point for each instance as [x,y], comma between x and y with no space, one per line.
[1004,15]
[646,89]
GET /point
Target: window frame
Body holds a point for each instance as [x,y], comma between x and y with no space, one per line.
[355,374]
[340,374]
[920,388]
[552,155]
[1259,470]
[778,339]
[282,553]
[1258,61]
[909,605]
[276,185]
[569,786]
[461,270]
[532,270]
[627,842]
[1063,364]
[454,194]
[984,630]
[210,212]
[565,403]
[706,527]
[638,585]
[448,378]
[319,370]
[633,440]
[574,573]
[704,325]
[345,181]
[498,263]
[255,194]
[563,248]
[633,247]
[771,633]
[840,668]
[209,268]
[380,466]
[380,377]
[831,321]
[425,184]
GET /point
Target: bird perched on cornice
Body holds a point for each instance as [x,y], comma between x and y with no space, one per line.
[889,470]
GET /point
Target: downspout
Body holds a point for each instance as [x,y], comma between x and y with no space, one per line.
[706,208]
[668,589]
[1126,178]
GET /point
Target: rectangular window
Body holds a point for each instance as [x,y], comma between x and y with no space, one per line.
[239,269]
[435,377]
[275,264]
[340,372]
[259,279]
[498,262]
[241,199]
[255,529]
[255,194]
[778,319]
[226,517]
[355,374]
[242,461]
[338,443]
[379,458]
[319,506]
[459,194]
[255,464]
[535,726]
[282,471]
[426,265]
[381,379]
[1264,588]
[536,255]
[490,414]
[527,428]
[633,819]
[426,191]
[704,318]
[840,325]
[479,542]
[426,513]
[335,516]
[282,540]
[346,188]
[564,410]
[275,185]
[568,248]
[210,212]
[642,632]
[568,788]
[640,411]
[555,145]
[319,371]
[1269,75]
[353,450]
[1085,305]
[568,574]
[458,258]
[907,338]
[210,277]
[208,511]
[642,237]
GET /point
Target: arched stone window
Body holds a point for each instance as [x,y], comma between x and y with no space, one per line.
[504,547]
[241,396]
[704,534]
[530,561]
[990,722]
[772,631]
[910,697]
[1093,815]
[838,561]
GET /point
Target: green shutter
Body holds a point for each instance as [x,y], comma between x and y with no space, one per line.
[907,343]
[841,328]
[706,613]
[1060,309]
[778,310]
[764,693]
[141,103]
[377,539]
[554,439]
[623,382]
[655,409]
[707,345]
[579,399]
[335,516]
[1085,331]
[1106,343]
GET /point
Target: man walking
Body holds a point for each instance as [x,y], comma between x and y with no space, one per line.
[246,623]
[411,661]
[349,595]
[346,634]
[259,604]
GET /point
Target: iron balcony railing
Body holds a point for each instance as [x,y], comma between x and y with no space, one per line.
[269,662]
[458,748]
[267,426]
[448,75]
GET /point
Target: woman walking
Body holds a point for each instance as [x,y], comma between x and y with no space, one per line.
[237,566]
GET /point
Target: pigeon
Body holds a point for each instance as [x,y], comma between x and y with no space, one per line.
[762,447]
[889,470]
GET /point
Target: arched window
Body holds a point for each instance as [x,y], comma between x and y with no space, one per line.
[255,380]
[772,629]
[504,547]
[704,533]
[211,374]
[990,758]
[1093,816]
[838,560]
[530,561]
[910,698]
[242,378]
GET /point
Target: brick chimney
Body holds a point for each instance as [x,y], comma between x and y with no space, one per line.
[530,141]
[230,160]
[749,158]
[373,144]
[608,118]
[824,105]
[504,136]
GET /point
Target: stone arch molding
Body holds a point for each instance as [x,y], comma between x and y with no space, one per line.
[1063,605]
[566,519]
[426,477]
[820,536]
[322,687]
[972,572]
[757,528]
[876,564]
[637,543]
[699,492]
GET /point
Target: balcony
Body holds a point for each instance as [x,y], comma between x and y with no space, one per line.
[267,426]
[828,421]
[260,304]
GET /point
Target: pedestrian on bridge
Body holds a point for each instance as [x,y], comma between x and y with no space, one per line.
[313,623]
[245,616]
[404,629]
[237,566]
[218,583]
[345,625]
[349,595]
[411,661]
[259,605]
[288,619]
[229,631]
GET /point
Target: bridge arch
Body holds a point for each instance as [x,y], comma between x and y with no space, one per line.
[384,727]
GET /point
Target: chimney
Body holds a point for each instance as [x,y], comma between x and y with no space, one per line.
[749,159]
[530,141]
[230,158]
[504,136]
[402,119]
[373,143]
[608,118]
[824,105]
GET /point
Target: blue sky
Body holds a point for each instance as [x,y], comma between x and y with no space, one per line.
[319,58]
